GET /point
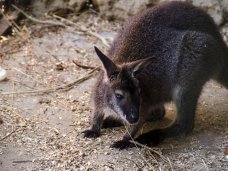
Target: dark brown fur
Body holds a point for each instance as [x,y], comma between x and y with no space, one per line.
[183,49]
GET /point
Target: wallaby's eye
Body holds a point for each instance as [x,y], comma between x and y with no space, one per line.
[119,94]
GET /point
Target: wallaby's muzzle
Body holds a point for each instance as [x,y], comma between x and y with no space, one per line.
[133,118]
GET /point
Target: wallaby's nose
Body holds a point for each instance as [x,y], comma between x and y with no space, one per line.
[133,118]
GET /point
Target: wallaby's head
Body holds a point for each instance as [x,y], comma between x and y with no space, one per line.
[123,86]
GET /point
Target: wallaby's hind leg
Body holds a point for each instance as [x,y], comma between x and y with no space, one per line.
[157,114]
[186,101]
[199,60]
[223,76]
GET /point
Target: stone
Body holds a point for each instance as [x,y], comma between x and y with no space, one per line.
[120,9]
[123,9]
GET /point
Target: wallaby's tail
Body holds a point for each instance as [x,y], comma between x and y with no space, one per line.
[223,75]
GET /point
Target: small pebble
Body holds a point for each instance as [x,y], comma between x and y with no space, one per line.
[2,74]
[60,66]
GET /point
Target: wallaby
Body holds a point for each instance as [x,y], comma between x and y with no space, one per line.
[166,53]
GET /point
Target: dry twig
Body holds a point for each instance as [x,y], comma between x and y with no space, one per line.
[82,66]
[8,134]
[22,161]
[50,90]
[81,28]
[34,160]
[39,21]
[99,37]
[134,142]
[148,148]
[153,151]
[10,23]
[84,29]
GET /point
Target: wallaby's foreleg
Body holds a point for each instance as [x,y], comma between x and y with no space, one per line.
[154,115]
[186,101]
[98,114]
[132,130]
[97,122]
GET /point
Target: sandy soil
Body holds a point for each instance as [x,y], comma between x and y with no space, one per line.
[42,131]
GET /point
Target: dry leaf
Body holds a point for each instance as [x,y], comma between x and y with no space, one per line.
[226,150]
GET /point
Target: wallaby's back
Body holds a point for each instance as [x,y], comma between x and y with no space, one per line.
[151,31]
[160,33]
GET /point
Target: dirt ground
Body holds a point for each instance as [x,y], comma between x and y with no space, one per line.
[42,123]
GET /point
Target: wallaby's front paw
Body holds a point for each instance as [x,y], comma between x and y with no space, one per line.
[91,134]
[122,144]
[152,138]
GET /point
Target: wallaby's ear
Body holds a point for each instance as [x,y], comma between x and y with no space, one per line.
[108,64]
[137,66]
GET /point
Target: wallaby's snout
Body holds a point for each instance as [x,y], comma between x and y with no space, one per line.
[132,108]
[133,117]
[125,99]
[129,107]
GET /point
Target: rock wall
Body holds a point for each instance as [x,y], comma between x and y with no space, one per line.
[122,9]
[218,9]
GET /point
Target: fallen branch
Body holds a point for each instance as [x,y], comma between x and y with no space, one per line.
[50,90]
[39,21]
[82,66]
[99,37]
[69,86]
[84,29]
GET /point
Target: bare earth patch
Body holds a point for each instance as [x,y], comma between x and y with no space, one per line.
[41,130]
